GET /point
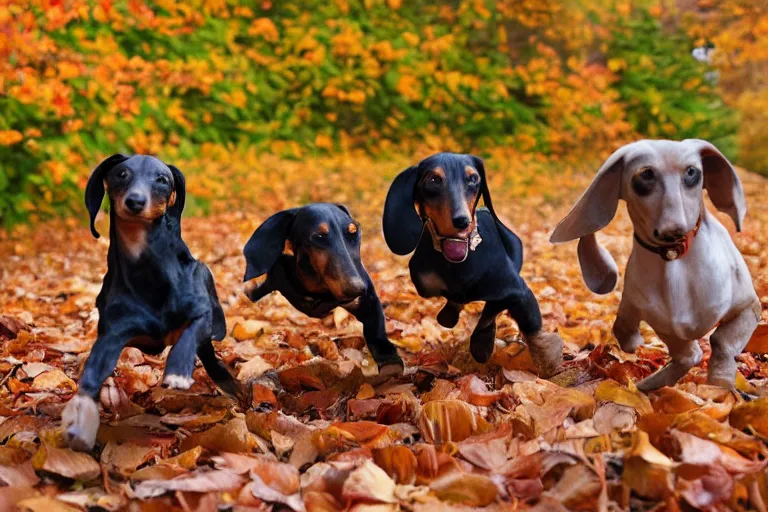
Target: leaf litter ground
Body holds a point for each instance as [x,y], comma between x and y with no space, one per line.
[449,434]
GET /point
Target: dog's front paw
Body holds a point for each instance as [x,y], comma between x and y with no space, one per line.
[630,342]
[178,382]
[546,351]
[449,316]
[482,343]
[80,419]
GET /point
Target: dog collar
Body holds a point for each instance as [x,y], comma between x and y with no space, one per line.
[470,243]
[676,250]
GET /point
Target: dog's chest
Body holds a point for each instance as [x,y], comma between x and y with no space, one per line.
[683,298]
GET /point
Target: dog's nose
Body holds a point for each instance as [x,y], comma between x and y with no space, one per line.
[461,222]
[354,288]
[135,203]
[669,235]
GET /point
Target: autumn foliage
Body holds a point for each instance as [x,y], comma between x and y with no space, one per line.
[80,80]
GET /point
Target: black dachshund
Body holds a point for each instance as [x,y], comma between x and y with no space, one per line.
[463,253]
[154,293]
[311,255]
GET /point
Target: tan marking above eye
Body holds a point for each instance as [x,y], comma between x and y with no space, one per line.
[469,171]
[437,172]
[352,228]
[323,229]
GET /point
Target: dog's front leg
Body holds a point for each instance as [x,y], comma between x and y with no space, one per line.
[483,338]
[449,315]
[181,360]
[370,313]
[685,355]
[728,340]
[626,328]
[546,348]
[80,417]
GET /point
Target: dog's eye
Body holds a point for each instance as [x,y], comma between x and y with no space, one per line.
[435,179]
[692,176]
[473,179]
[647,175]
[319,237]
[122,174]
[162,180]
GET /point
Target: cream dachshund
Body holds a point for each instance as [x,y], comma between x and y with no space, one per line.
[684,276]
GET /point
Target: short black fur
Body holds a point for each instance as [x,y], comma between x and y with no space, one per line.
[490,273]
[289,273]
[148,297]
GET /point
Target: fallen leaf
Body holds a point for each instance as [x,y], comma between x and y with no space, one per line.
[200,481]
[758,343]
[610,416]
[253,369]
[125,458]
[249,329]
[647,471]
[611,391]
[443,421]
[369,483]
[55,380]
[398,461]
[469,489]
[43,504]
[19,475]
[232,436]
[65,462]
[752,415]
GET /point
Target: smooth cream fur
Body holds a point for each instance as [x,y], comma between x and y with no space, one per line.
[683,299]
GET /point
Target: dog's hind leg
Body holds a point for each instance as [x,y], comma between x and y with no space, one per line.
[626,328]
[449,315]
[685,355]
[483,338]
[220,374]
[181,360]
[728,340]
[80,417]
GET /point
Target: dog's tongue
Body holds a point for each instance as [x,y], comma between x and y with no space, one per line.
[455,250]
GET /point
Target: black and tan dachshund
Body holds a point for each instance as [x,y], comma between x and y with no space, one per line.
[154,293]
[311,255]
[463,253]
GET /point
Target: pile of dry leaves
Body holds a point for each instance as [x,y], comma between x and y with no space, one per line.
[450,433]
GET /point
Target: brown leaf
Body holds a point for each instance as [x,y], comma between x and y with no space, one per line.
[443,421]
[123,459]
[199,481]
[610,416]
[232,436]
[194,420]
[701,425]
[316,374]
[398,461]
[66,463]
[577,488]
[752,415]
[249,329]
[759,341]
[369,483]
[54,380]
[44,504]
[476,392]
[253,368]
[646,469]
[470,489]
[19,475]
[611,391]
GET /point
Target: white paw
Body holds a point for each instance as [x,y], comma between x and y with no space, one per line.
[178,382]
[80,419]
[631,343]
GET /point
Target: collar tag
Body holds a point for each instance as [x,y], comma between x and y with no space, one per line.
[472,241]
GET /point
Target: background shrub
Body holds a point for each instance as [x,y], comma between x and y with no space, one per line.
[82,79]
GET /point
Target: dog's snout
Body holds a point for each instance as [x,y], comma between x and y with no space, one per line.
[354,288]
[461,222]
[669,235]
[135,203]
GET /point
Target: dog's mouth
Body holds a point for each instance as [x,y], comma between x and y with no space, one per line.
[456,247]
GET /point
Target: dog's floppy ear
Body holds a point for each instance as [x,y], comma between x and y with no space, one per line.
[343,208]
[484,190]
[720,180]
[402,224]
[180,189]
[593,211]
[94,190]
[267,243]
